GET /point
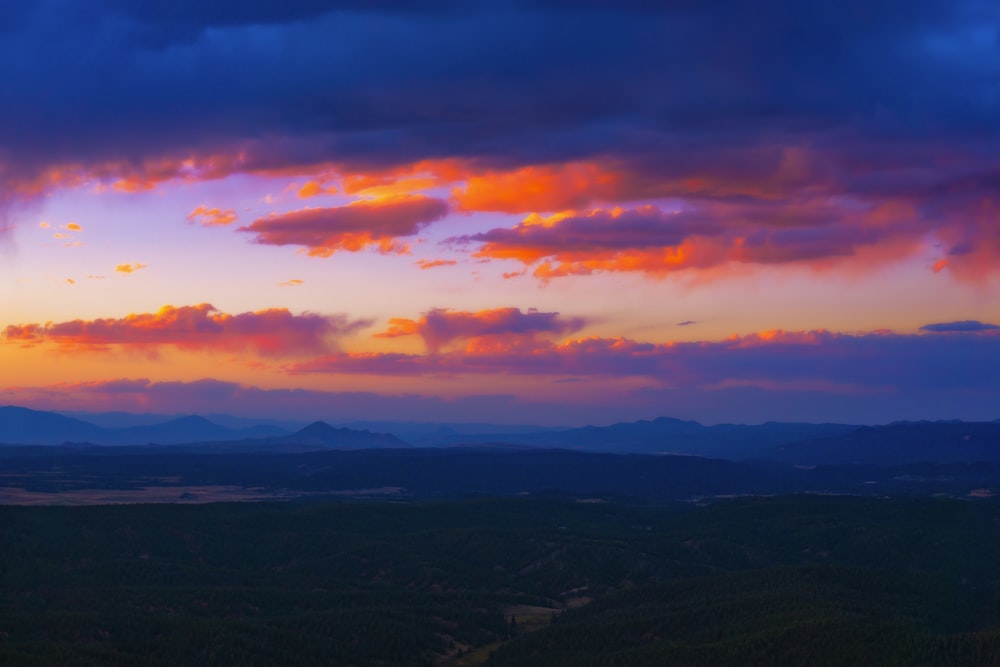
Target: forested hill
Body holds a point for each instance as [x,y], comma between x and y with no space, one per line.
[815,580]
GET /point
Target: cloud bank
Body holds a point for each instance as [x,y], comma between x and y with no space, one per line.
[274,332]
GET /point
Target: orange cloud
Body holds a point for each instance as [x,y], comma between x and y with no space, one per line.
[399,326]
[294,282]
[540,188]
[359,225]
[212,217]
[74,227]
[405,178]
[270,332]
[314,189]
[435,263]
[129,268]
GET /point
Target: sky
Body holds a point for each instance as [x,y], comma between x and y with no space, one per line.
[525,211]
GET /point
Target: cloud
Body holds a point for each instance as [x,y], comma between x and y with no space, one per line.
[963,326]
[274,332]
[212,217]
[553,187]
[361,224]
[876,362]
[129,268]
[74,227]
[294,282]
[814,375]
[648,239]
[314,189]
[435,263]
[495,327]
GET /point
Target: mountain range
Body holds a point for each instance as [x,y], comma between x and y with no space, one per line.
[898,443]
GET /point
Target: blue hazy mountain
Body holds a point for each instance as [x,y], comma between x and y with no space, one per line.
[899,443]
[320,435]
[35,427]
[21,426]
[117,420]
[190,429]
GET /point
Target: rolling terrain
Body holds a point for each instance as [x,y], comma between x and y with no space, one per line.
[778,581]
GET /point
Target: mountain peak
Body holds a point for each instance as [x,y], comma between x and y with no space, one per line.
[318,428]
[322,434]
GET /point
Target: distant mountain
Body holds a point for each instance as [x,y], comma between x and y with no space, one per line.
[21,426]
[322,435]
[444,434]
[119,420]
[189,429]
[900,443]
[113,420]
[35,427]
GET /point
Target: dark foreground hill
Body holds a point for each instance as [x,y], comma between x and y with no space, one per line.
[763,581]
[900,443]
[675,436]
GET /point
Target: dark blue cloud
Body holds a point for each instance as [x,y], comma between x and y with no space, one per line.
[524,82]
[962,326]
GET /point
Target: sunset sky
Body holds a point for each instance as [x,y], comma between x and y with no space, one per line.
[535,211]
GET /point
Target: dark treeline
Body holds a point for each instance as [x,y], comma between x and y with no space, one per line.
[440,473]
